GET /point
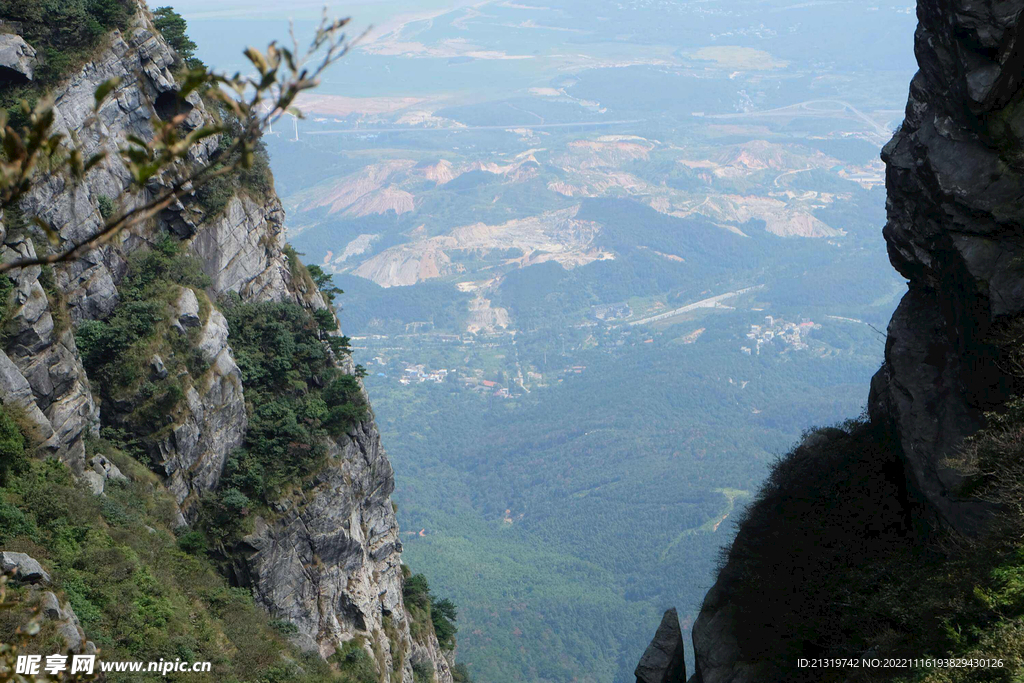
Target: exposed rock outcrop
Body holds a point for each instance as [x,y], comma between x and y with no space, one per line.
[955,190]
[955,181]
[99,472]
[25,568]
[66,622]
[330,563]
[40,365]
[664,661]
[327,557]
[17,59]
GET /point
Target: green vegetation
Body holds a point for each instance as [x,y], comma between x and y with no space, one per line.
[117,352]
[55,297]
[253,175]
[296,399]
[324,282]
[173,28]
[137,594]
[12,451]
[6,305]
[106,206]
[826,563]
[425,608]
[356,663]
[64,32]
[422,672]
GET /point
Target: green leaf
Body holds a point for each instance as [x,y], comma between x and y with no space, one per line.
[105,89]
[95,159]
[13,146]
[51,234]
[289,59]
[257,59]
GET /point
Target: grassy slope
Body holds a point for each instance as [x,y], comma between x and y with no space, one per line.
[137,594]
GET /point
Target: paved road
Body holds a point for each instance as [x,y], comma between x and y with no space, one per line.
[807,109]
[713,302]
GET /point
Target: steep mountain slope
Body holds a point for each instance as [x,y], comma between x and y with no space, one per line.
[894,537]
[320,551]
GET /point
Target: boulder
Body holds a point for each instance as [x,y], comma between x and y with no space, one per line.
[108,470]
[186,310]
[71,634]
[50,606]
[27,569]
[664,661]
[17,59]
[99,471]
[156,364]
[96,482]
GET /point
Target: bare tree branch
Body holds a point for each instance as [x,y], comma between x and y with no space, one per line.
[245,98]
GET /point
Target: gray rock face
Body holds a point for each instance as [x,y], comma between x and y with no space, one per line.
[68,626]
[329,559]
[50,606]
[186,310]
[955,190]
[664,661]
[41,368]
[240,259]
[193,453]
[331,562]
[17,59]
[26,569]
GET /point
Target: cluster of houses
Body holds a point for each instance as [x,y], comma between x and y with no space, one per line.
[486,386]
[416,374]
[609,312]
[791,334]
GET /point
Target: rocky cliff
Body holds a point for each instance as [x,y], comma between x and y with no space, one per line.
[954,215]
[955,210]
[326,557]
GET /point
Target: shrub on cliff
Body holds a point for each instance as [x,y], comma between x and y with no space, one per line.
[117,352]
[63,31]
[296,399]
[174,30]
[825,564]
[424,606]
[136,593]
[12,447]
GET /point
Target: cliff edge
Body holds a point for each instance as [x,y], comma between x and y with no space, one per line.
[322,553]
[837,554]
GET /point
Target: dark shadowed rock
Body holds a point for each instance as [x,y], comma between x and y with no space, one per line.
[664,661]
[955,185]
